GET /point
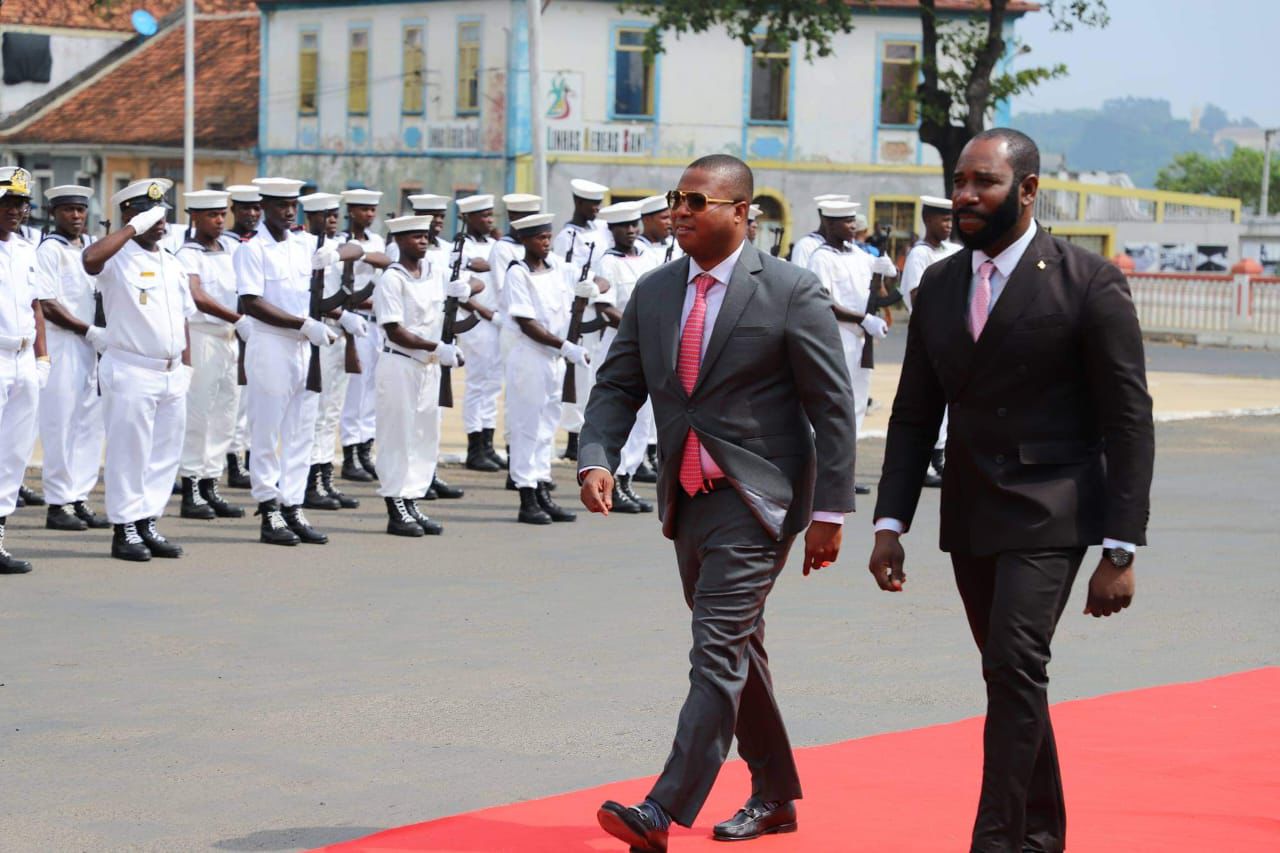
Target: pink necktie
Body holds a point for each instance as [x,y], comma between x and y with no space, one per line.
[980,307]
[687,371]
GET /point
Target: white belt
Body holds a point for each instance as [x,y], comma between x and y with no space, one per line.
[225,331]
[423,359]
[15,344]
[162,364]
[294,335]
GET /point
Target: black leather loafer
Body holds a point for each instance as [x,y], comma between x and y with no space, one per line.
[754,820]
[632,827]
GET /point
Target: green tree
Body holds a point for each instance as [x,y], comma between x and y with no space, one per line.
[1238,176]
[962,80]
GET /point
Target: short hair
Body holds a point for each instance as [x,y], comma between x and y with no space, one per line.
[735,172]
[1024,154]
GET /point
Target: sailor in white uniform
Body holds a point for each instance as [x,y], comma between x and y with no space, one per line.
[246,213]
[482,345]
[656,233]
[357,423]
[803,248]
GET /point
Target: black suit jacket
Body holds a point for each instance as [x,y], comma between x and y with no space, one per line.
[1050,440]
[772,404]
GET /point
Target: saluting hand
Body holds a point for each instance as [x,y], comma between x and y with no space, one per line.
[597,491]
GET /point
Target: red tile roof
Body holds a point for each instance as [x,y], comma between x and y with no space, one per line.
[101,14]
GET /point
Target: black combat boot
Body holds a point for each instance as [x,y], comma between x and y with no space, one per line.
[531,511]
[490,450]
[444,491]
[298,524]
[127,544]
[645,474]
[155,542]
[317,496]
[193,503]
[551,508]
[209,491]
[429,527]
[399,521]
[237,476]
[29,497]
[274,529]
[933,475]
[351,468]
[86,515]
[622,503]
[624,486]
[477,458]
[364,452]
[63,517]
[571,447]
[344,500]
[651,456]
[9,564]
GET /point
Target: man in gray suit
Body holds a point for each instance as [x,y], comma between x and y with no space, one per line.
[741,356]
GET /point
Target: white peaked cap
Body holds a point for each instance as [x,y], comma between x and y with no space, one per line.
[935,202]
[429,201]
[206,200]
[753,212]
[153,188]
[475,203]
[860,222]
[244,193]
[530,223]
[370,197]
[620,213]
[409,224]
[819,199]
[589,190]
[319,202]
[287,188]
[522,202]
[652,204]
[837,209]
[68,193]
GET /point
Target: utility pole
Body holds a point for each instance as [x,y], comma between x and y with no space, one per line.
[1266,170]
[537,115]
[189,101]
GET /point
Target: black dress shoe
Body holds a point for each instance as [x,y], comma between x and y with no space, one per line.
[209,491]
[345,501]
[29,497]
[634,826]
[155,542]
[429,526]
[859,489]
[63,517]
[755,819]
[399,521]
[82,511]
[444,491]
[9,564]
[127,544]
[274,530]
[302,529]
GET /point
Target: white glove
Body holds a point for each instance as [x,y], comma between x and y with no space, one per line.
[146,220]
[574,353]
[453,258]
[353,324]
[458,289]
[497,318]
[587,290]
[875,327]
[883,266]
[447,355]
[97,338]
[244,327]
[324,257]
[43,367]
[318,333]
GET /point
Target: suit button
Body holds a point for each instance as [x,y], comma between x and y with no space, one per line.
[691,409]
[999,458]
[1001,412]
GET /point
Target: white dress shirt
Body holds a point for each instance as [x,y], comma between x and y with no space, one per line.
[1005,263]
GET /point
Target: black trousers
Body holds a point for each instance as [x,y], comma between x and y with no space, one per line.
[1013,601]
[728,565]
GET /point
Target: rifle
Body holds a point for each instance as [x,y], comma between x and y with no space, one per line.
[568,256]
[776,248]
[670,250]
[100,312]
[578,328]
[450,319]
[875,302]
[320,306]
[242,378]
[351,358]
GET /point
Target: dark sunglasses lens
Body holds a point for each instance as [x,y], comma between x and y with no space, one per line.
[697,201]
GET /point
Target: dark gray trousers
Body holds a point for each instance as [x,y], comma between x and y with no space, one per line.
[728,565]
[1014,601]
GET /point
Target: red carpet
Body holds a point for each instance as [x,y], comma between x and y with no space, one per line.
[1189,767]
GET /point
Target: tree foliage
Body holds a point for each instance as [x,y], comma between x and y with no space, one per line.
[1238,176]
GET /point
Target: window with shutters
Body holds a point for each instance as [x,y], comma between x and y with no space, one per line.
[413,61]
[468,100]
[899,67]
[358,73]
[308,73]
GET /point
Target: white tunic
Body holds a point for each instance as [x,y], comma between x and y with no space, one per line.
[18,289]
[415,303]
[279,271]
[61,276]
[804,248]
[846,276]
[504,251]
[920,258]
[545,296]
[146,301]
[217,276]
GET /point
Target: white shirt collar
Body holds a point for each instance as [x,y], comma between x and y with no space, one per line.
[1007,260]
[722,271]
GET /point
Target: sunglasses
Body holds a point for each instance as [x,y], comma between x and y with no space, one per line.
[697,202]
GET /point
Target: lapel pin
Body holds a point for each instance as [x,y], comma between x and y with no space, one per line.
[1040,265]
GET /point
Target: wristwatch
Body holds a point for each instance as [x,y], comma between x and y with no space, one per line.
[1119,557]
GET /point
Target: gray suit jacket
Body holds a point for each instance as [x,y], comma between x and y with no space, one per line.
[772,404]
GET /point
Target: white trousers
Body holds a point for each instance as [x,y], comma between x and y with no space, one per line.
[485,371]
[145,412]
[19,396]
[212,402]
[571,416]
[408,433]
[71,425]
[638,439]
[282,417]
[240,439]
[859,377]
[334,380]
[941,443]
[358,408]
[534,382]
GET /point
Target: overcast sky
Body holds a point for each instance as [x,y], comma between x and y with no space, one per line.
[1189,52]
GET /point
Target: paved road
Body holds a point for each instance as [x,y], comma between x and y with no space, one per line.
[251,698]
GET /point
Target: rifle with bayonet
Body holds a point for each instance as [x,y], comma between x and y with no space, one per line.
[320,306]
[452,327]
[776,248]
[577,328]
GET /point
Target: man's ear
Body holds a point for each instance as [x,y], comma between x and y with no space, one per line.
[1029,189]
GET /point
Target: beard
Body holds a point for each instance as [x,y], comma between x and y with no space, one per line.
[997,223]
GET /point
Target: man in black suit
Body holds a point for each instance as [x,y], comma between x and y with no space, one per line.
[741,357]
[1034,344]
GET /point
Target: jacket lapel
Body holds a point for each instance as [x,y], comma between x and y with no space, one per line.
[671,305]
[1026,283]
[953,298]
[738,293]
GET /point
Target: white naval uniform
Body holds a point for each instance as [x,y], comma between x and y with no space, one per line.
[19,384]
[804,248]
[334,379]
[504,251]
[622,272]
[482,347]
[659,250]
[147,301]
[357,424]
[282,412]
[407,382]
[582,240]
[920,258]
[214,398]
[535,372]
[240,438]
[846,276]
[71,425]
